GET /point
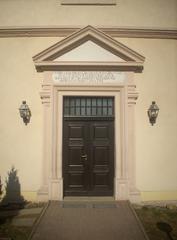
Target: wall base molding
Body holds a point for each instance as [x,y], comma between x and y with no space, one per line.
[42,194]
[135,196]
[158,196]
[161,203]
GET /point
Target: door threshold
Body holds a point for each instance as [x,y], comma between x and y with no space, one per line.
[88,199]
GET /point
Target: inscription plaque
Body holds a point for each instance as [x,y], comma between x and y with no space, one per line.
[88,78]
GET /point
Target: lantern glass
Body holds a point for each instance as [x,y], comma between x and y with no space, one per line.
[153,112]
[25,112]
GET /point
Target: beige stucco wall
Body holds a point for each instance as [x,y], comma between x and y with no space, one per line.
[154,13]
[156,150]
[21,145]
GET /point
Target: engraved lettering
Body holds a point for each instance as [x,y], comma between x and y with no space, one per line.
[88,77]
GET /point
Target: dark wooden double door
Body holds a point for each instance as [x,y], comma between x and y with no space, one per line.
[88,156]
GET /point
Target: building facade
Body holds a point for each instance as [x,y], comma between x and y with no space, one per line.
[89,71]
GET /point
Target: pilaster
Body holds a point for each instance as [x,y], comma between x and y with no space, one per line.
[122,181]
[43,192]
[134,193]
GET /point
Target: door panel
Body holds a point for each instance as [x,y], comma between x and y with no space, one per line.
[102,156]
[88,157]
[73,149]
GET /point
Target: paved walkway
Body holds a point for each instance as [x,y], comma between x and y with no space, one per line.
[22,217]
[89,221]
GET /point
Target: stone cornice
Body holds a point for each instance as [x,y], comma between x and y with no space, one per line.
[45,60]
[6,32]
[89,66]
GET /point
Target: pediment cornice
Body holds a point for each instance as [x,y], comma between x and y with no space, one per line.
[45,59]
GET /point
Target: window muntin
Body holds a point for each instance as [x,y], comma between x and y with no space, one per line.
[88,106]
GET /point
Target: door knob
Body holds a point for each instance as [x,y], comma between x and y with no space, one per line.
[84,156]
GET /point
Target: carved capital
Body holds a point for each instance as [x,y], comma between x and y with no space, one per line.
[132,95]
[45,94]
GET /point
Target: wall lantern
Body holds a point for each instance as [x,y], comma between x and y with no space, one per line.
[25,112]
[153,112]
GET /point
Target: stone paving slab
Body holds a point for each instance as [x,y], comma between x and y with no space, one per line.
[89,222]
[29,211]
[22,212]
[23,222]
[10,213]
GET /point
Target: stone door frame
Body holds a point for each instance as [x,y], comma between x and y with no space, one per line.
[125,167]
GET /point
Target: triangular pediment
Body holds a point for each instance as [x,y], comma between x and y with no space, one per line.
[88,48]
[89,51]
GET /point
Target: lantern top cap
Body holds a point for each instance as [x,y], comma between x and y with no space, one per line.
[154,106]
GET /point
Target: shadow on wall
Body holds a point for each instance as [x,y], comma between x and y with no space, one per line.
[12,197]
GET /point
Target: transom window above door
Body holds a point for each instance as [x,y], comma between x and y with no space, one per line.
[88,106]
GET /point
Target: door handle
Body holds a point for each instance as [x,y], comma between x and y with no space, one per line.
[84,156]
